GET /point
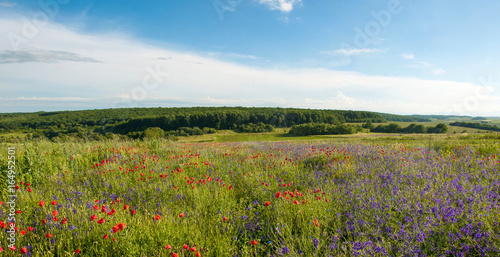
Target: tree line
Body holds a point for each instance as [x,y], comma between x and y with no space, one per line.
[100,123]
[410,129]
[476,125]
[236,119]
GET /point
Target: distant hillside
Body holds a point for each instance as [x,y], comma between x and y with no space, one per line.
[403,118]
[440,117]
[128,120]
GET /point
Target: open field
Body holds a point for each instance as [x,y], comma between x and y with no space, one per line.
[14,135]
[280,134]
[337,196]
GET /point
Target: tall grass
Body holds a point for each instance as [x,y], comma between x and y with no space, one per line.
[314,198]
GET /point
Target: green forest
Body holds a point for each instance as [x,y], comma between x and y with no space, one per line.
[410,129]
[132,122]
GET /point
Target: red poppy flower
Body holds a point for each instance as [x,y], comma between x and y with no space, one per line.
[193,249]
[224,218]
[53,203]
[48,235]
[23,250]
[181,215]
[103,208]
[157,217]
[63,221]
[77,251]
[105,237]
[198,254]
[101,221]
[174,255]
[93,217]
[278,194]
[295,202]
[185,246]
[23,232]
[254,242]
[125,207]
[13,248]
[133,212]
[30,229]
[1,249]
[168,247]
[96,207]
[44,221]
[267,203]
[41,203]
[55,213]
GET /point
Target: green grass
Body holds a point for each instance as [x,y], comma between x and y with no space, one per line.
[14,135]
[68,173]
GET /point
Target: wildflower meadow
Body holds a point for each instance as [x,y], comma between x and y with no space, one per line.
[295,198]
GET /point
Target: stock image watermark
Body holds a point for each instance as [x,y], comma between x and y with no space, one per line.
[222,6]
[473,102]
[40,19]
[368,35]
[11,204]
[150,81]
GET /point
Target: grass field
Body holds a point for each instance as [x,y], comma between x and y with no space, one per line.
[20,135]
[357,195]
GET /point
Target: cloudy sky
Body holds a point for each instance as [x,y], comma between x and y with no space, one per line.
[396,56]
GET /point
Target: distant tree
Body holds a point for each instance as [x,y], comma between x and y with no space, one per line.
[393,128]
[439,128]
[368,125]
[151,133]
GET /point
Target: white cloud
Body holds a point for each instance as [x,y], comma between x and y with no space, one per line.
[131,73]
[41,56]
[50,98]
[422,65]
[232,55]
[408,56]
[281,5]
[438,71]
[353,51]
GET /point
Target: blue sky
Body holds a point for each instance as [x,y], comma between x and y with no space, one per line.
[396,56]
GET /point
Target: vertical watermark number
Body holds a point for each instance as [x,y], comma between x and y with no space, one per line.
[11,204]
